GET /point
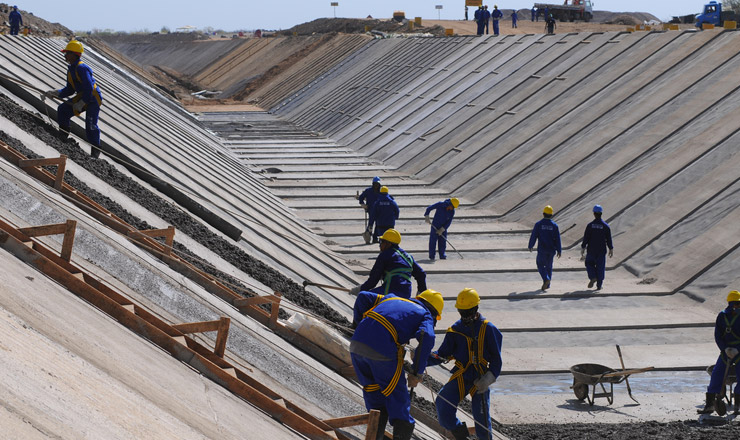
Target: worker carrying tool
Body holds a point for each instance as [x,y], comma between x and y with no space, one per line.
[444,212]
[367,199]
[475,344]
[384,324]
[383,214]
[87,97]
[596,240]
[15,20]
[395,267]
[727,337]
[547,236]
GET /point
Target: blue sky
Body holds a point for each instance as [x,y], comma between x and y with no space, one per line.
[229,15]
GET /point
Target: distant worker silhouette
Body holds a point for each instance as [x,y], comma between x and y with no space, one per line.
[16,21]
[550,24]
[495,16]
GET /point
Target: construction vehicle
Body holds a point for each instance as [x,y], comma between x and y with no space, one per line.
[570,10]
[713,14]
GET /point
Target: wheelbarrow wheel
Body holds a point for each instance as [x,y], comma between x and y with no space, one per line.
[580,390]
[720,406]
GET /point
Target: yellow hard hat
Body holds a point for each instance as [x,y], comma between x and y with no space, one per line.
[74,46]
[392,236]
[733,296]
[548,210]
[435,299]
[455,202]
[467,299]
[384,189]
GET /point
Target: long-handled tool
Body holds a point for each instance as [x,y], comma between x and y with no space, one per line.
[453,247]
[626,380]
[326,286]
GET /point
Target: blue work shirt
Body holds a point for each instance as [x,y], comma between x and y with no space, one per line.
[547,236]
[727,329]
[409,318]
[384,211]
[496,14]
[369,196]
[442,217]
[395,268]
[15,19]
[597,238]
[462,342]
[80,80]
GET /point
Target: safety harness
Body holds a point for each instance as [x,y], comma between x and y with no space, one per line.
[372,314]
[479,362]
[729,332]
[78,96]
[403,272]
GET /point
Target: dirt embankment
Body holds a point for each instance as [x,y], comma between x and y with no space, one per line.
[36,25]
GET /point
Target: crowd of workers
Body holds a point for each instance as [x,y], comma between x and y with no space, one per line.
[482,17]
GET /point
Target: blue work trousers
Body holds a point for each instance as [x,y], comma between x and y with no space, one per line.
[544,265]
[65,113]
[437,242]
[595,267]
[718,374]
[495,27]
[481,27]
[370,372]
[448,400]
[14,29]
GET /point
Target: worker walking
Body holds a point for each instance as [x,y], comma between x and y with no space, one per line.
[495,16]
[727,337]
[395,267]
[444,212]
[550,24]
[383,213]
[87,97]
[383,325]
[596,240]
[367,199]
[514,18]
[15,20]
[475,344]
[547,236]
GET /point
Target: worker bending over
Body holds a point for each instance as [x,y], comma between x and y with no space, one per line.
[384,324]
[596,240]
[444,212]
[383,213]
[87,97]
[395,267]
[727,337]
[475,344]
[547,236]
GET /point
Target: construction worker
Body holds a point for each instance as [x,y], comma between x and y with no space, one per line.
[87,99]
[395,267]
[550,24]
[486,17]
[383,325]
[367,199]
[727,337]
[596,240]
[534,13]
[15,20]
[547,236]
[444,212]
[475,344]
[383,213]
[495,16]
[514,18]
[478,17]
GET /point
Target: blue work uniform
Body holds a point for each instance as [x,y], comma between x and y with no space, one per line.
[80,82]
[726,334]
[495,16]
[386,323]
[383,214]
[442,219]
[16,21]
[547,236]
[477,350]
[514,18]
[369,196]
[486,17]
[534,12]
[395,268]
[479,21]
[596,240]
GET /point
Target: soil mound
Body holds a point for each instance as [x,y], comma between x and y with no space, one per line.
[357,26]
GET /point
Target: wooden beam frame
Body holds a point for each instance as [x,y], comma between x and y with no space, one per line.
[221,326]
[68,229]
[60,162]
[168,235]
[254,302]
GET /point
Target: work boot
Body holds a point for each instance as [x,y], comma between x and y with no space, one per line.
[95,152]
[736,402]
[545,285]
[62,134]
[382,422]
[709,405]
[591,282]
[461,432]
[402,430]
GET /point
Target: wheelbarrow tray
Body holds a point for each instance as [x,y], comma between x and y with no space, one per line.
[585,375]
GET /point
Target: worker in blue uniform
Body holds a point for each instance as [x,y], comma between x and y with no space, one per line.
[727,337]
[383,213]
[475,344]
[477,16]
[514,19]
[383,325]
[367,199]
[547,236]
[596,240]
[395,267]
[87,99]
[15,20]
[444,212]
[496,15]
[486,17]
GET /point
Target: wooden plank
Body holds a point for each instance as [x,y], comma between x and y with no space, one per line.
[38,231]
[223,334]
[61,168]
[372,424]
[69,238]
[30,163]
[198,327]
[343,422]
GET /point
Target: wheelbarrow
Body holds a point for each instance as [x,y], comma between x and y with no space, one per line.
[719,405]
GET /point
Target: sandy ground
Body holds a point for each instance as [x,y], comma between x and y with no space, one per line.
[461,27]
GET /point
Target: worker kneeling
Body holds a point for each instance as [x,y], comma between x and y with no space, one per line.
[475,344]
[727,337]
[384,324]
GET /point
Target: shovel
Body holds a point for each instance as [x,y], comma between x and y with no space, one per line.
[326,286]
